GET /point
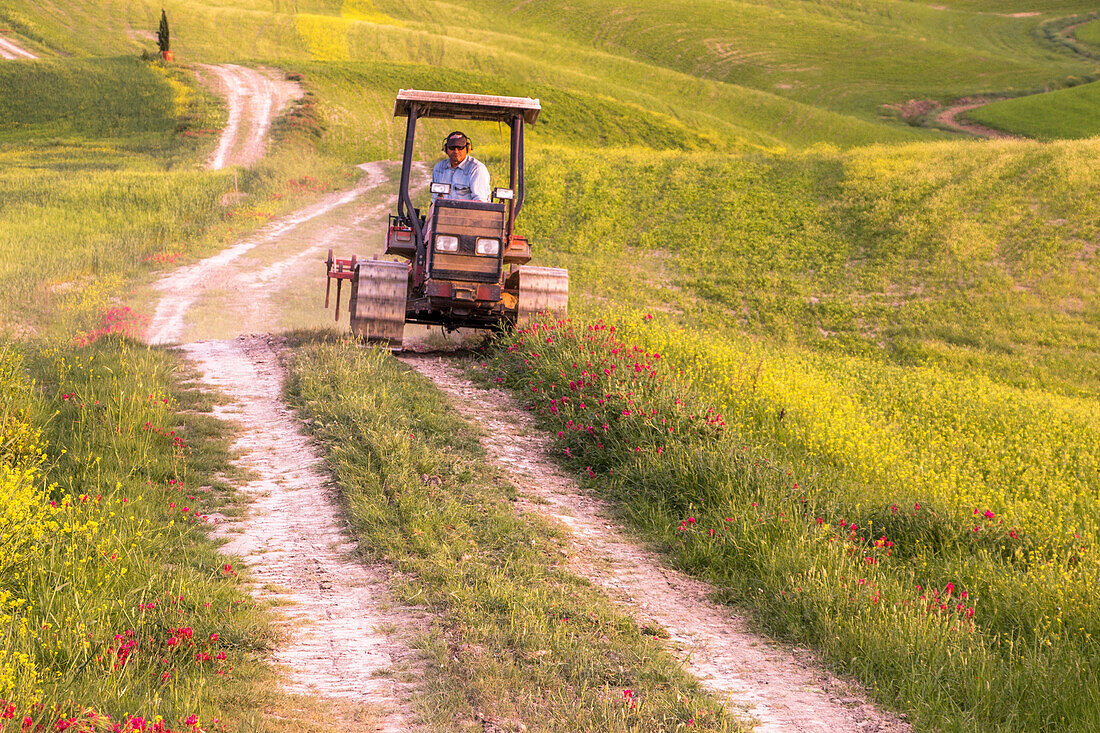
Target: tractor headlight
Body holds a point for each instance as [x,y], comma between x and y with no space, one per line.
[446,243]
[487,246]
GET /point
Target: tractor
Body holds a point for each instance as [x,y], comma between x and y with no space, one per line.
[462,265]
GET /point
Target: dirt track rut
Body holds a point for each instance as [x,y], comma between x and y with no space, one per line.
[342,643]
[782,689]
[332,605]
[949,118]
[255,97]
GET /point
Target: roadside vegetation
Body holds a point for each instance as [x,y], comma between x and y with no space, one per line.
[116,609]
[972,608]
[897,339]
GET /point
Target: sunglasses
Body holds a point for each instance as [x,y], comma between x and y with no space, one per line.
[456,147]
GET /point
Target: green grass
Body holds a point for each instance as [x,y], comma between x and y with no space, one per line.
[1063,114]
[516,638]
[850,58]
[103,186]
[741,116]
[1089,33]
[85,99]
[966,256]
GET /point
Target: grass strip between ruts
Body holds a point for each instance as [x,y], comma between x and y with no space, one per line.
[517,639]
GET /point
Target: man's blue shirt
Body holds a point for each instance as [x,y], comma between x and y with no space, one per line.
[469,181]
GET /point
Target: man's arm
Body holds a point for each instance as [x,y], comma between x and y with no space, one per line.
[479,182]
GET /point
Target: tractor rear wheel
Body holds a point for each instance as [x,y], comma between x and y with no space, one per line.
[378,293]
[542,290]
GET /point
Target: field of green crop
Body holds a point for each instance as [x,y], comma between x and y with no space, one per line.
[878,345]
[1089,33]
[1064,114]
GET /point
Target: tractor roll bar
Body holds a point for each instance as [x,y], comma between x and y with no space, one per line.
[515,111]
[519,185]
[405,208]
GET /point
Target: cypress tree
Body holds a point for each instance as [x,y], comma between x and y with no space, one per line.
[162,33]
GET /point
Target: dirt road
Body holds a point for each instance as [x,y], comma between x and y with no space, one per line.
[292,538]
[274,279]
[333,607]
[237,292]
[10,51]
[255,97]
[949,118]
[341,643]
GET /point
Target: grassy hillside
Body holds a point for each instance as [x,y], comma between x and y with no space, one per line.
[964,255]
[1064,114]
[121,98]
[1089,33]
[113,601]
[89,183]
[847,57]
[897,327]
[769,71]
[325,32]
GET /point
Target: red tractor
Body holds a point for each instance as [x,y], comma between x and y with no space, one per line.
[462,265]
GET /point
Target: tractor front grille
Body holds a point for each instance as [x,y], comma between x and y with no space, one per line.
[467,220]
[464,263]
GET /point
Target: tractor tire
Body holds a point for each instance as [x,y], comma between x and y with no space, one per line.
[378,293]
[542,290]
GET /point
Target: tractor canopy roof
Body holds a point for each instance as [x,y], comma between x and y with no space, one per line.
[456,106]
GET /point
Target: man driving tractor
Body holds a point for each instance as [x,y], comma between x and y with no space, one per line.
[468,176]
[462,264]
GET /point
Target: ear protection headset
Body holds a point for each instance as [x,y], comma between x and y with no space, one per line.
[469,145]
